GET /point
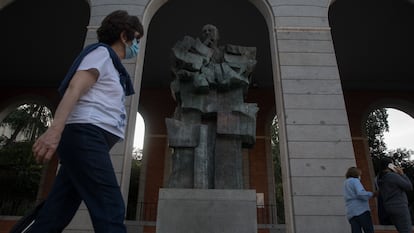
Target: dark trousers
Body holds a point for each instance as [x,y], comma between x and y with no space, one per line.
[86,174]
[362,221]
[401,218]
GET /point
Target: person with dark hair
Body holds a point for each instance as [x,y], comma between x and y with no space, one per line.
[89,120]
[393,184]
[356,201]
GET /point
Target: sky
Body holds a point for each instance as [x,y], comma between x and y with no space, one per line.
[400,135]
[139,132]
[401,130]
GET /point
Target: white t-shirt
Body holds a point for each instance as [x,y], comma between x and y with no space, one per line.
[103,105]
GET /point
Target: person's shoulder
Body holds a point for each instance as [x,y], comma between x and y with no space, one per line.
[97,56]
[353,180]
[100,53]
[390,175]
[101,50]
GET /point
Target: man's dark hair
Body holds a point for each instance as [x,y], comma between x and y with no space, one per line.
[115,23]
[384,163]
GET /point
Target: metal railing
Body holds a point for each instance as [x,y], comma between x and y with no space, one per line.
[147,212]
[15,205]
[266,214]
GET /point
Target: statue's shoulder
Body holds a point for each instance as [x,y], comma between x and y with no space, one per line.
[185,44]
[238,50]
[242,57]
[192,45]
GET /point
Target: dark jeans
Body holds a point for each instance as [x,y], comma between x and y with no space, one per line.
[362,221]
[86,174]
[401,218]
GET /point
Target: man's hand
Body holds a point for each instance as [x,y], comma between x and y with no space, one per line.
[400,170]
[45,146]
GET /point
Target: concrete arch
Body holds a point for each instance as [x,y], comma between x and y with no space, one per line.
[154,5]
[11,104]
[49,170]
[264,8]
[5,3]
[400,104]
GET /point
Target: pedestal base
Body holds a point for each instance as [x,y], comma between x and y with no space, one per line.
[206,211]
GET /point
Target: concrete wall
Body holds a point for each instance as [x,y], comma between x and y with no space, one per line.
[317,146]
[121,152]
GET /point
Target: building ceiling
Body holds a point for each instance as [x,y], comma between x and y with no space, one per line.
[238,22]
[372,39]
[39,40]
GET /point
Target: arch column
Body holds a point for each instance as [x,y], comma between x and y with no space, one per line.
[316,144]
[122,151]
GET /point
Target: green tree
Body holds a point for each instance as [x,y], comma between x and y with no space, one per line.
[375,126]
[19,171]
[401,156]
[277,171]
[134,184]
[28,120]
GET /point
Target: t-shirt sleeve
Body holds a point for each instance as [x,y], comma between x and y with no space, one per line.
[95,59]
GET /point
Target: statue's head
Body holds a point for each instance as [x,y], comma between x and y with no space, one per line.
[209,35]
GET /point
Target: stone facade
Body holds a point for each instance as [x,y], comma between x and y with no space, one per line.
[316,144]
[315,139]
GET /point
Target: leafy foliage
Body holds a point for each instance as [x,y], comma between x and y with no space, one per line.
[277,172]
[376,125]
[30,120]
[401,156]
[19,171]
[134,184]
[16,160]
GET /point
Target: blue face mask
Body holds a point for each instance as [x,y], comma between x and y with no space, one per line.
[132,51]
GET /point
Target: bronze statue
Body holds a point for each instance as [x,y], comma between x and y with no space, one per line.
[211,123]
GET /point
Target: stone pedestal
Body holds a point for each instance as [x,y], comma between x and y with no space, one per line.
[206,211]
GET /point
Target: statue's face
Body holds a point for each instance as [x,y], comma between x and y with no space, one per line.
[209,33]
